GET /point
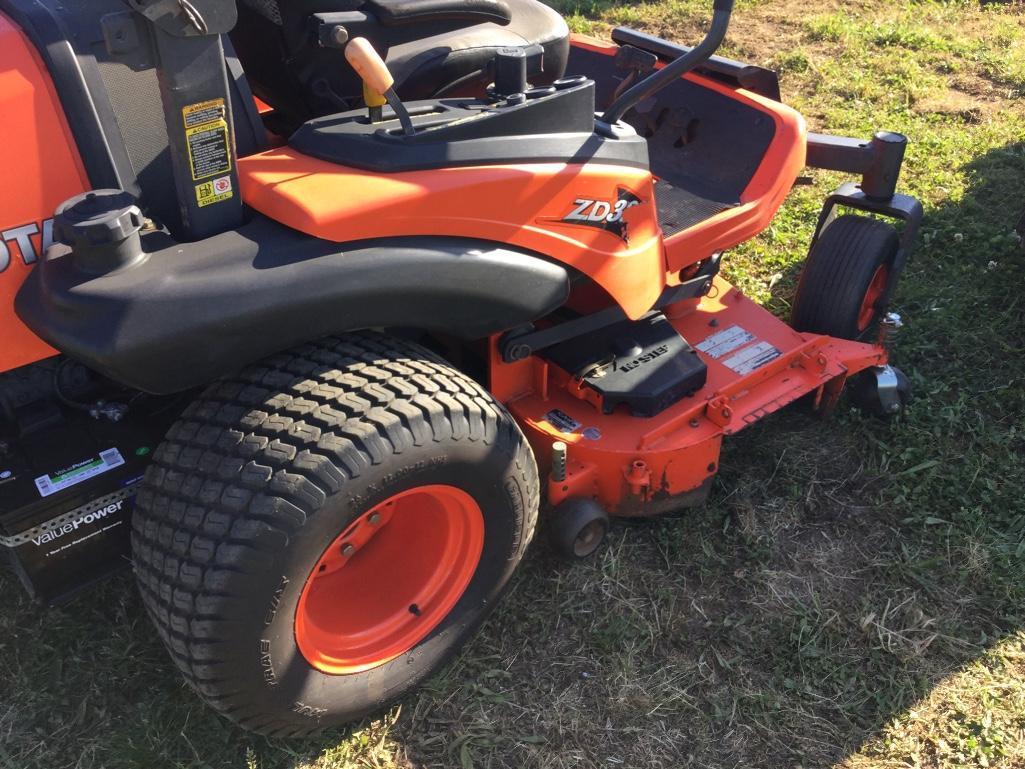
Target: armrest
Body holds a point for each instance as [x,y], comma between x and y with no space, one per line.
[392,13]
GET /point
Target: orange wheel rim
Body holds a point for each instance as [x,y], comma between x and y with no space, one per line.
[389,579]
[874,293]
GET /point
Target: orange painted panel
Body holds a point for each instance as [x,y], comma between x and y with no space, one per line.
[757,364]
[41,169]
[524,205]
[775,176]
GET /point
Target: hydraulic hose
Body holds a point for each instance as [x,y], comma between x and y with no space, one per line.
[676,68]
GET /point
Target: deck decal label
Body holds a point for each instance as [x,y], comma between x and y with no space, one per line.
[78,472]
[725,341]
[562,421]
[752,358]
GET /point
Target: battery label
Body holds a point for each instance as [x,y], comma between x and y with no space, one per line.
[725,341]
[109,517]
[78,472]
[206,137]
[752,358]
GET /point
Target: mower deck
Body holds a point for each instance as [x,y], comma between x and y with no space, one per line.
[757,364]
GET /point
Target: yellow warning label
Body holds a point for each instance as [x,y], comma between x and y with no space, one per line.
[203,112]
[206,138]
[214,191]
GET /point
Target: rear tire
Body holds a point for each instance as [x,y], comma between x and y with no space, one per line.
[845,278]
[267,470]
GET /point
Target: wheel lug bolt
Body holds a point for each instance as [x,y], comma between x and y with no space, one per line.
[375,517]
[348,549]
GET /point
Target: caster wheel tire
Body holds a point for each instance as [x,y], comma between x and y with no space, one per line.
[845,278]
[882,392]
[578,528]
[320,533]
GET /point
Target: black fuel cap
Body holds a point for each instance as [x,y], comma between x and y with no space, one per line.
[97,217]
[101,227]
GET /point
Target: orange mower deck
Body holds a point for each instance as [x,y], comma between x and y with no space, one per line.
[757,364]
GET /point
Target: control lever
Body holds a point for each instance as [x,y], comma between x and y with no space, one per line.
[378,82]
[674,70]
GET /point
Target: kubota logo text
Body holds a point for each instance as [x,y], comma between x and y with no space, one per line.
[21,239]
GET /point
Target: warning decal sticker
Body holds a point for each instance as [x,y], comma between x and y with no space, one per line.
[203,112]
[78,472]
[725,341]
[752,358]
[213,191]
[206,134]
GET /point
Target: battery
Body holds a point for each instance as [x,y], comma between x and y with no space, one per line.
[66,496]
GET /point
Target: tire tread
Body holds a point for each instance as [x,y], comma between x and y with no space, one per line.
[257,454]
[837,273]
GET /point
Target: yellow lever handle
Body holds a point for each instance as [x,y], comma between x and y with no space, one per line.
[371,97]
[369,65]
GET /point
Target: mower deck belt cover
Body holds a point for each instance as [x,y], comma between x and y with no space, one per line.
[643,364]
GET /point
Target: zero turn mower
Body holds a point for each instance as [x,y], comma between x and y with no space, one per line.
[324,351]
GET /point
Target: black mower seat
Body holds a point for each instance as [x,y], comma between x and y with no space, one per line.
[433,48]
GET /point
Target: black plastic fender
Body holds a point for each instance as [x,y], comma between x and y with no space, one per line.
[190,312]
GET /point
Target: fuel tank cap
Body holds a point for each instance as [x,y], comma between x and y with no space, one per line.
[102,228]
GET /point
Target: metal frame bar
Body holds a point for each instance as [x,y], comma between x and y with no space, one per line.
[757,79]
[521,344]
[878,159]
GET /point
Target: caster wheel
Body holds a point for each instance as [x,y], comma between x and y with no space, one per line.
[845,279]
[881,391]
[577,528]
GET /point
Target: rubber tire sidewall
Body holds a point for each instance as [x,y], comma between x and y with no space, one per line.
[863,393]
[265,630]
[837,274]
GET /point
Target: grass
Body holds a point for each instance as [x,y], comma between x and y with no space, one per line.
[853,595]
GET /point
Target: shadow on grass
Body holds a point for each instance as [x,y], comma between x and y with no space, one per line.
[840,571]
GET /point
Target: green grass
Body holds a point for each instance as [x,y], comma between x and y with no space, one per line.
[852,595]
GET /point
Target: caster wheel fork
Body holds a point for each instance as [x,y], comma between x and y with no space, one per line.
[882,391]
